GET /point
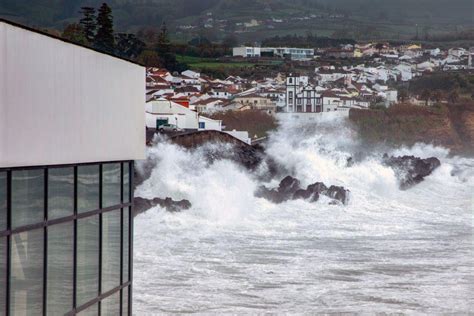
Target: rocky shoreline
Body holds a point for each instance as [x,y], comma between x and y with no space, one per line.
[410,171]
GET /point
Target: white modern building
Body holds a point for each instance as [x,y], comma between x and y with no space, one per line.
[283,52]
[71,126]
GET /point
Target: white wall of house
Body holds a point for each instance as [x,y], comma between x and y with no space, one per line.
[175,114]
[61,103]
[331,104]
[241,135]
[207,124]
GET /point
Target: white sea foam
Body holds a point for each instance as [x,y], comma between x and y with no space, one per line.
[387,251]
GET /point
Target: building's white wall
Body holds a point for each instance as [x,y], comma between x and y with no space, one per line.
[176,114]
[210,124]
[61,103]
[239,51]
[240,135]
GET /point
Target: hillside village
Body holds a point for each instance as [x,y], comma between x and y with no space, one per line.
[369,77]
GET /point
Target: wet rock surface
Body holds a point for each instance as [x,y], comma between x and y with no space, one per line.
[290,189]
[411,170]
[142,205]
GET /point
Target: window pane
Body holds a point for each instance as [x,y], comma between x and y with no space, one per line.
[60,192]
[60,268]
[126,243]
[27,273]
[87,259]
[87,188]
[126,182]
[27,197]
[90,311]
[111,184]
[3,274]
[110,250]
[125,301]
[3,201]
[111,305]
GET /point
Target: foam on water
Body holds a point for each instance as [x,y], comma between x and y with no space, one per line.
[387,251]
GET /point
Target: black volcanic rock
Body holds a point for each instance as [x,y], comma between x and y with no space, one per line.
[289,185]
[289,189]
[338,193]
[411,170]
[142,205]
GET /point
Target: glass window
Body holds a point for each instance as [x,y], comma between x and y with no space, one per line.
[125,301]
[110,250]
[27,197]
[126,243]
[60,192]
[90,311]
[3,274]
[126,182]
[87,259]
[3,201]
[60,268]
[111,184]
[26,280]
[87,188]
[110,306]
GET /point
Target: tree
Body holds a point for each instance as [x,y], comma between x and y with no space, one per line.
[75,33]
[426,95]
[128,45]
[104,39]
[149,58]
[148,34]
[163,48]
[229,42]
[88,23]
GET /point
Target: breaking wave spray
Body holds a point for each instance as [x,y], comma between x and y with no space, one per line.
[387,251]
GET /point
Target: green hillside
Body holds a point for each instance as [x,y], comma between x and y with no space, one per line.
[359,19]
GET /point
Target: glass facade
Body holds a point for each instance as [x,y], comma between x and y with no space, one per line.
[65,239]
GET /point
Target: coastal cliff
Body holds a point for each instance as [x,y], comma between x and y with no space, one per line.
[450,126]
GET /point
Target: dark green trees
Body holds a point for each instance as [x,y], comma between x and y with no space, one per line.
[104,39]
[163,48]
[88,23]
[96,29]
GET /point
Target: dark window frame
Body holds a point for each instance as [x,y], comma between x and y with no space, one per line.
[45,223]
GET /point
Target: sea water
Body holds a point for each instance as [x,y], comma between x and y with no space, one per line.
[386,251]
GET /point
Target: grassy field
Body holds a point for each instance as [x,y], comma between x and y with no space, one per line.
[210,63]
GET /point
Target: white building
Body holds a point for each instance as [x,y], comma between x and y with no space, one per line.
[71,127]
[283,52]
[207,124]
[162,111]
[246,52]
[301,96]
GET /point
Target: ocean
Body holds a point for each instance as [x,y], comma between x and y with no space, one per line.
[388,250]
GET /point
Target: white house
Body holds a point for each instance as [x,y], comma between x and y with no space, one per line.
[162,111]
[457,52]
[207,124]
[191,74]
